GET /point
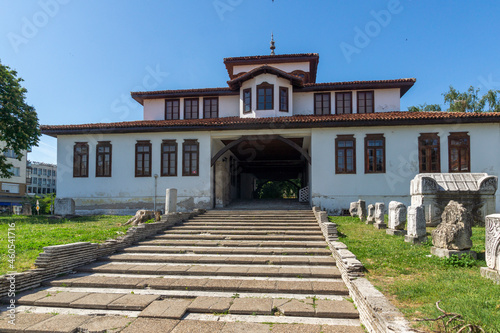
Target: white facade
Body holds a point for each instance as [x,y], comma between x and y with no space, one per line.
[12,189]
[42,178]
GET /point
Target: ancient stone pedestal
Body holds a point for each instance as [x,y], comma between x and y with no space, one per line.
[417,232]
[397,219]
[492,246]
[453,235]
[353,209]
[379,213]
[171,201]
[64,206]
[370,219]
[362,213]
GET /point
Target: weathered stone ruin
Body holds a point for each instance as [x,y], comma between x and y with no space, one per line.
[379,213]
[417,232]
[397,218]
[353,209]
[64,207]
[362,213]
[492,246]
[370,219]
[142,216]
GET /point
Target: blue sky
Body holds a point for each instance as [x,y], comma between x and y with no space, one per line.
[80,59]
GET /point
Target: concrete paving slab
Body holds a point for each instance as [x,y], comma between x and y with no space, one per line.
[263,271]
[167,308]
[22,321]
[159,283]
[59,299]
[296,328]
[172,269]
[107,268]
[241,327]
[108,324]
[334,288]
[257,286]
[222,285]
[341,329]
[204,304]
[327,260]
[108,282]
[251,306]
[144,269]
[149,325]
[297,308]
[232,270]
[335,309]
[325,272]
[294,287]
[132,302]
[95,301]
[188,284]
[295,271]
[196,326]
[280,301]
[30,299]
[202,270]
[294,261]
[58,324]
[65,281]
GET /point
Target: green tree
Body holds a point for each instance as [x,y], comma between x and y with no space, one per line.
[19,128]
[425,107]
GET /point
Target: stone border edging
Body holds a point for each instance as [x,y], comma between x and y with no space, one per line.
[376,313]
[60,259]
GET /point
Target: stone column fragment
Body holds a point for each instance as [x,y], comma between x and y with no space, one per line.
[417,232]
[171,201]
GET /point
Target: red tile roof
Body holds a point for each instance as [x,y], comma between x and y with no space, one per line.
[271,57]
[403,84]
[396,118]
[140,96]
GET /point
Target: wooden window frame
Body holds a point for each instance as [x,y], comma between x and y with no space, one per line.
[428,136]
[265,85]
[284,90]
[322,104]
[77,166]
[144,143]
[339,138]
[369,137]
[191,100]
[211,111]
[162,153]
[184,144]
[248,90]
[343,93]
[98,154]
[454,136]
[358,98]
[175,116]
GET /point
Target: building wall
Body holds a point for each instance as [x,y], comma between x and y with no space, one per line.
[123,193]
[335,191]
[41,172]
[290,67]
[14,188]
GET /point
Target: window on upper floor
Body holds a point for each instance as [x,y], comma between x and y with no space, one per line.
[284,99]
[16,172]
[365,102]
[103,159]
[345,151]
[191,108]
[428,153]
[190,157]
[459,152]
[34,171]
[265,96]
[80,160]
[44,172]
[322,104]
[10,153]
[210,107]
[374,153]
[343,102]
[247,100]
[143,159]
[169,158]
[172,109]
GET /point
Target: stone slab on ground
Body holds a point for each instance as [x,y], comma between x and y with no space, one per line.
[250,306]
[297,308]
[233,271]
[62,299]
[491,274]
[295,271]
[202,270]
[93,281]
[30,299]
[108,324]
[415,240]
[380,226]
[296,328]
[325,272]
[23,321]
[149,325]
[172,269]
[188,284]
[294,287]
[206,304]
[335,309]
[198,326]
[242,327]
[445,253]
[95,301]
[395,232]
[258,286]
[341,329]
[331,288]
[58,324]
[132,302]
[167,308]
[222,285]
[263,271]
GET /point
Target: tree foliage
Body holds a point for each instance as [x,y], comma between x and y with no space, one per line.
[425,107]
[19,128]
[277,189]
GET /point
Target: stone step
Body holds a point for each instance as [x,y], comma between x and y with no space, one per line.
[245,232]
[233,243]
[234,285]
[240,237]
[222,259]
[227,250]
[255,218]
[245,227]
[252,223]
[213,270]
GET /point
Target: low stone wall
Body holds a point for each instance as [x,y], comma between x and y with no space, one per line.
[61,259]
[376,313]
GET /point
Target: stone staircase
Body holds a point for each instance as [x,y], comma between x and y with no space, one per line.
[223,271]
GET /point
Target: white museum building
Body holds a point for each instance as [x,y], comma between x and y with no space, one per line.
[273,121]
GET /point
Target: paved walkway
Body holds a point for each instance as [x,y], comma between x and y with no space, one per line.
[224,271]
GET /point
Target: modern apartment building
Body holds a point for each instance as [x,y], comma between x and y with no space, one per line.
[43,178]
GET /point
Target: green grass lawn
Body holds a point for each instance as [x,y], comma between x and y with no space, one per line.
[32,233]
[414,281]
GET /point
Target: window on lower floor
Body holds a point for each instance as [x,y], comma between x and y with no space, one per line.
[143,159]
[284,99]
[365,102]
[103,159]
[322,104]
[10,188]
[169,158]
[459,152]
[191,108]
[172,109]
[343,102]
[429,153]
[375,153]
[247,100]
[190,157]
[265,96]
[16,172]
[211,107]
[345,152]
[80,160]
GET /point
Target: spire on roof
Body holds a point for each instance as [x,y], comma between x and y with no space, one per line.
[272,44]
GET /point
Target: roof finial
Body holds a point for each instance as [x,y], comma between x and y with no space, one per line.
[272,44]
